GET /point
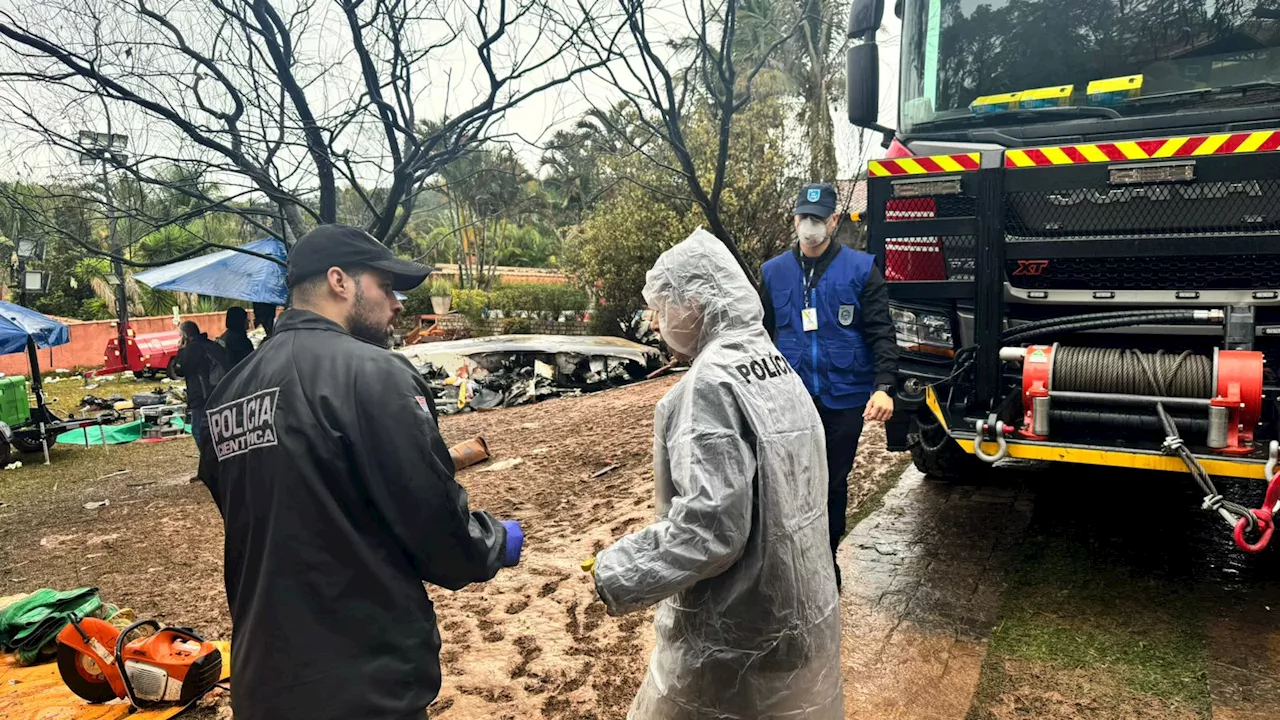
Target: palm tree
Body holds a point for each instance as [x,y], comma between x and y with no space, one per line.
[806,66]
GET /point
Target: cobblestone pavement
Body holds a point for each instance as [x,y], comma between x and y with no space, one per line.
[926,573]
[923,592]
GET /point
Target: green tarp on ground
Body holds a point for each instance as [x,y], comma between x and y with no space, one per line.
[31,624]
[116,434]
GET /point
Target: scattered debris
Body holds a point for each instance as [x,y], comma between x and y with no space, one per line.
[504,465]
[471,452]
[605,471]
[94,386]
[13,465]
[96,505]
[511,370]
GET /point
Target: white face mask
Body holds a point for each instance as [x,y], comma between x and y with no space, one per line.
[811,232]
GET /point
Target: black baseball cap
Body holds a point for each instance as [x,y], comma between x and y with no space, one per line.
[349,247]
[816,199]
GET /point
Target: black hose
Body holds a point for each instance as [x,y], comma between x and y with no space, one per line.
[1052,322]
[1100,324]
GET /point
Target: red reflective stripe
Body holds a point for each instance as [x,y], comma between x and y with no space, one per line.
[1271,143]
[1037,157]
[1232,143]
[893,167]
[967,162]
[1111,151]
[1151,147]
[1074,153]
[1189,146]
[928,164]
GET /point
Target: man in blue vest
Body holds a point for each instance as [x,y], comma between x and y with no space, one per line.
[827,308]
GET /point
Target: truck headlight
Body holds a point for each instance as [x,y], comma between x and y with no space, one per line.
[923,331]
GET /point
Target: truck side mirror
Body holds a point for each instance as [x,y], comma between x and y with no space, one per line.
[863,75]
[864,18]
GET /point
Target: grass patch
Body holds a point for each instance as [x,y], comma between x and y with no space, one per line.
[64,396]
[1071,607]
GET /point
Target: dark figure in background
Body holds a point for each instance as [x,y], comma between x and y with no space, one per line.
[236,338]
[264,316]
[202,362]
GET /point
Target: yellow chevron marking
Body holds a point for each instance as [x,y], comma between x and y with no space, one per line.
[1211,145]
[1057,156]
[911,166]
[1253,142]
[1170,147]
[1131,150]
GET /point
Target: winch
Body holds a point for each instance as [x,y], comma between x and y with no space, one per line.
[1217,397]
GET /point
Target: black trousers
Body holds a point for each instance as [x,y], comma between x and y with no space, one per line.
[843,430]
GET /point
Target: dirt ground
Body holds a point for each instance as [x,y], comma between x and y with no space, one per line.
[533,643]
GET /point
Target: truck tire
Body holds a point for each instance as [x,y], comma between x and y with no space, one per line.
[28,442]
[937,455]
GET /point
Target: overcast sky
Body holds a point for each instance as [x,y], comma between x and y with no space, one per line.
[451,81]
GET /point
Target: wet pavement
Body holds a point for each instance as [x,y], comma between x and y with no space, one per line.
[926,576]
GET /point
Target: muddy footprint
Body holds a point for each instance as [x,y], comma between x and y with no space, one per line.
[529,651]
[518,606]
[489,630]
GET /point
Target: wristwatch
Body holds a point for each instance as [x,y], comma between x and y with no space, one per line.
[885,388]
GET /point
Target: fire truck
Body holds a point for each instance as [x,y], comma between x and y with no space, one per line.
[1078,213]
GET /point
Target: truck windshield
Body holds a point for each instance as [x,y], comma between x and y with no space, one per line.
[969,63]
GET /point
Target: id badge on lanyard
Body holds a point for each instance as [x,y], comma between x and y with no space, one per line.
[809,316]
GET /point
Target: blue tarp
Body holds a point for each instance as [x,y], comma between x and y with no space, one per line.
[226,274]
[18,323]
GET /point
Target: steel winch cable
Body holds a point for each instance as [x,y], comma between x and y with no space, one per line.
[1131,372]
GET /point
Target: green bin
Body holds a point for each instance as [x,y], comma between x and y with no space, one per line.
[15,408]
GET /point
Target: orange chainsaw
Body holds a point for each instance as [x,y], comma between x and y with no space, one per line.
[172,665]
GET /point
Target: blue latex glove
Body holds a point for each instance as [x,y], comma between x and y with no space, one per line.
[515,543]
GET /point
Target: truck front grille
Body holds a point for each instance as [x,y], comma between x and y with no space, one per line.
[1246,206]
[1198,272]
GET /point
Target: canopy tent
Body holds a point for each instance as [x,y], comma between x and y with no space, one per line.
[20,326]
[25,329]
[227,274]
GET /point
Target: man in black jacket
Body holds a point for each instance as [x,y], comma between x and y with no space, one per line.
[202,363]
[339,500]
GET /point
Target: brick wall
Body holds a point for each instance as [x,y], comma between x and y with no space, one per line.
[536,327]
[89,340]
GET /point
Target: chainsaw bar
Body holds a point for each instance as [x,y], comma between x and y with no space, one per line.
[82,673]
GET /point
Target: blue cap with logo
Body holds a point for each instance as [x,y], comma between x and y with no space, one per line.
[816,199]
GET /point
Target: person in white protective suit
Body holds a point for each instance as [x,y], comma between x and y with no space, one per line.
[749,621]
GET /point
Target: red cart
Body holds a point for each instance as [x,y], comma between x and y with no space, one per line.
[149,354]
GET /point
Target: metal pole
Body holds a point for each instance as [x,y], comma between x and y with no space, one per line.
[122,295]
[989,283]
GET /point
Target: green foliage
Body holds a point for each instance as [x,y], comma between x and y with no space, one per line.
[440,287]
[472,304]
[418,301]
[517,326]
[620,240]
[541,298]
